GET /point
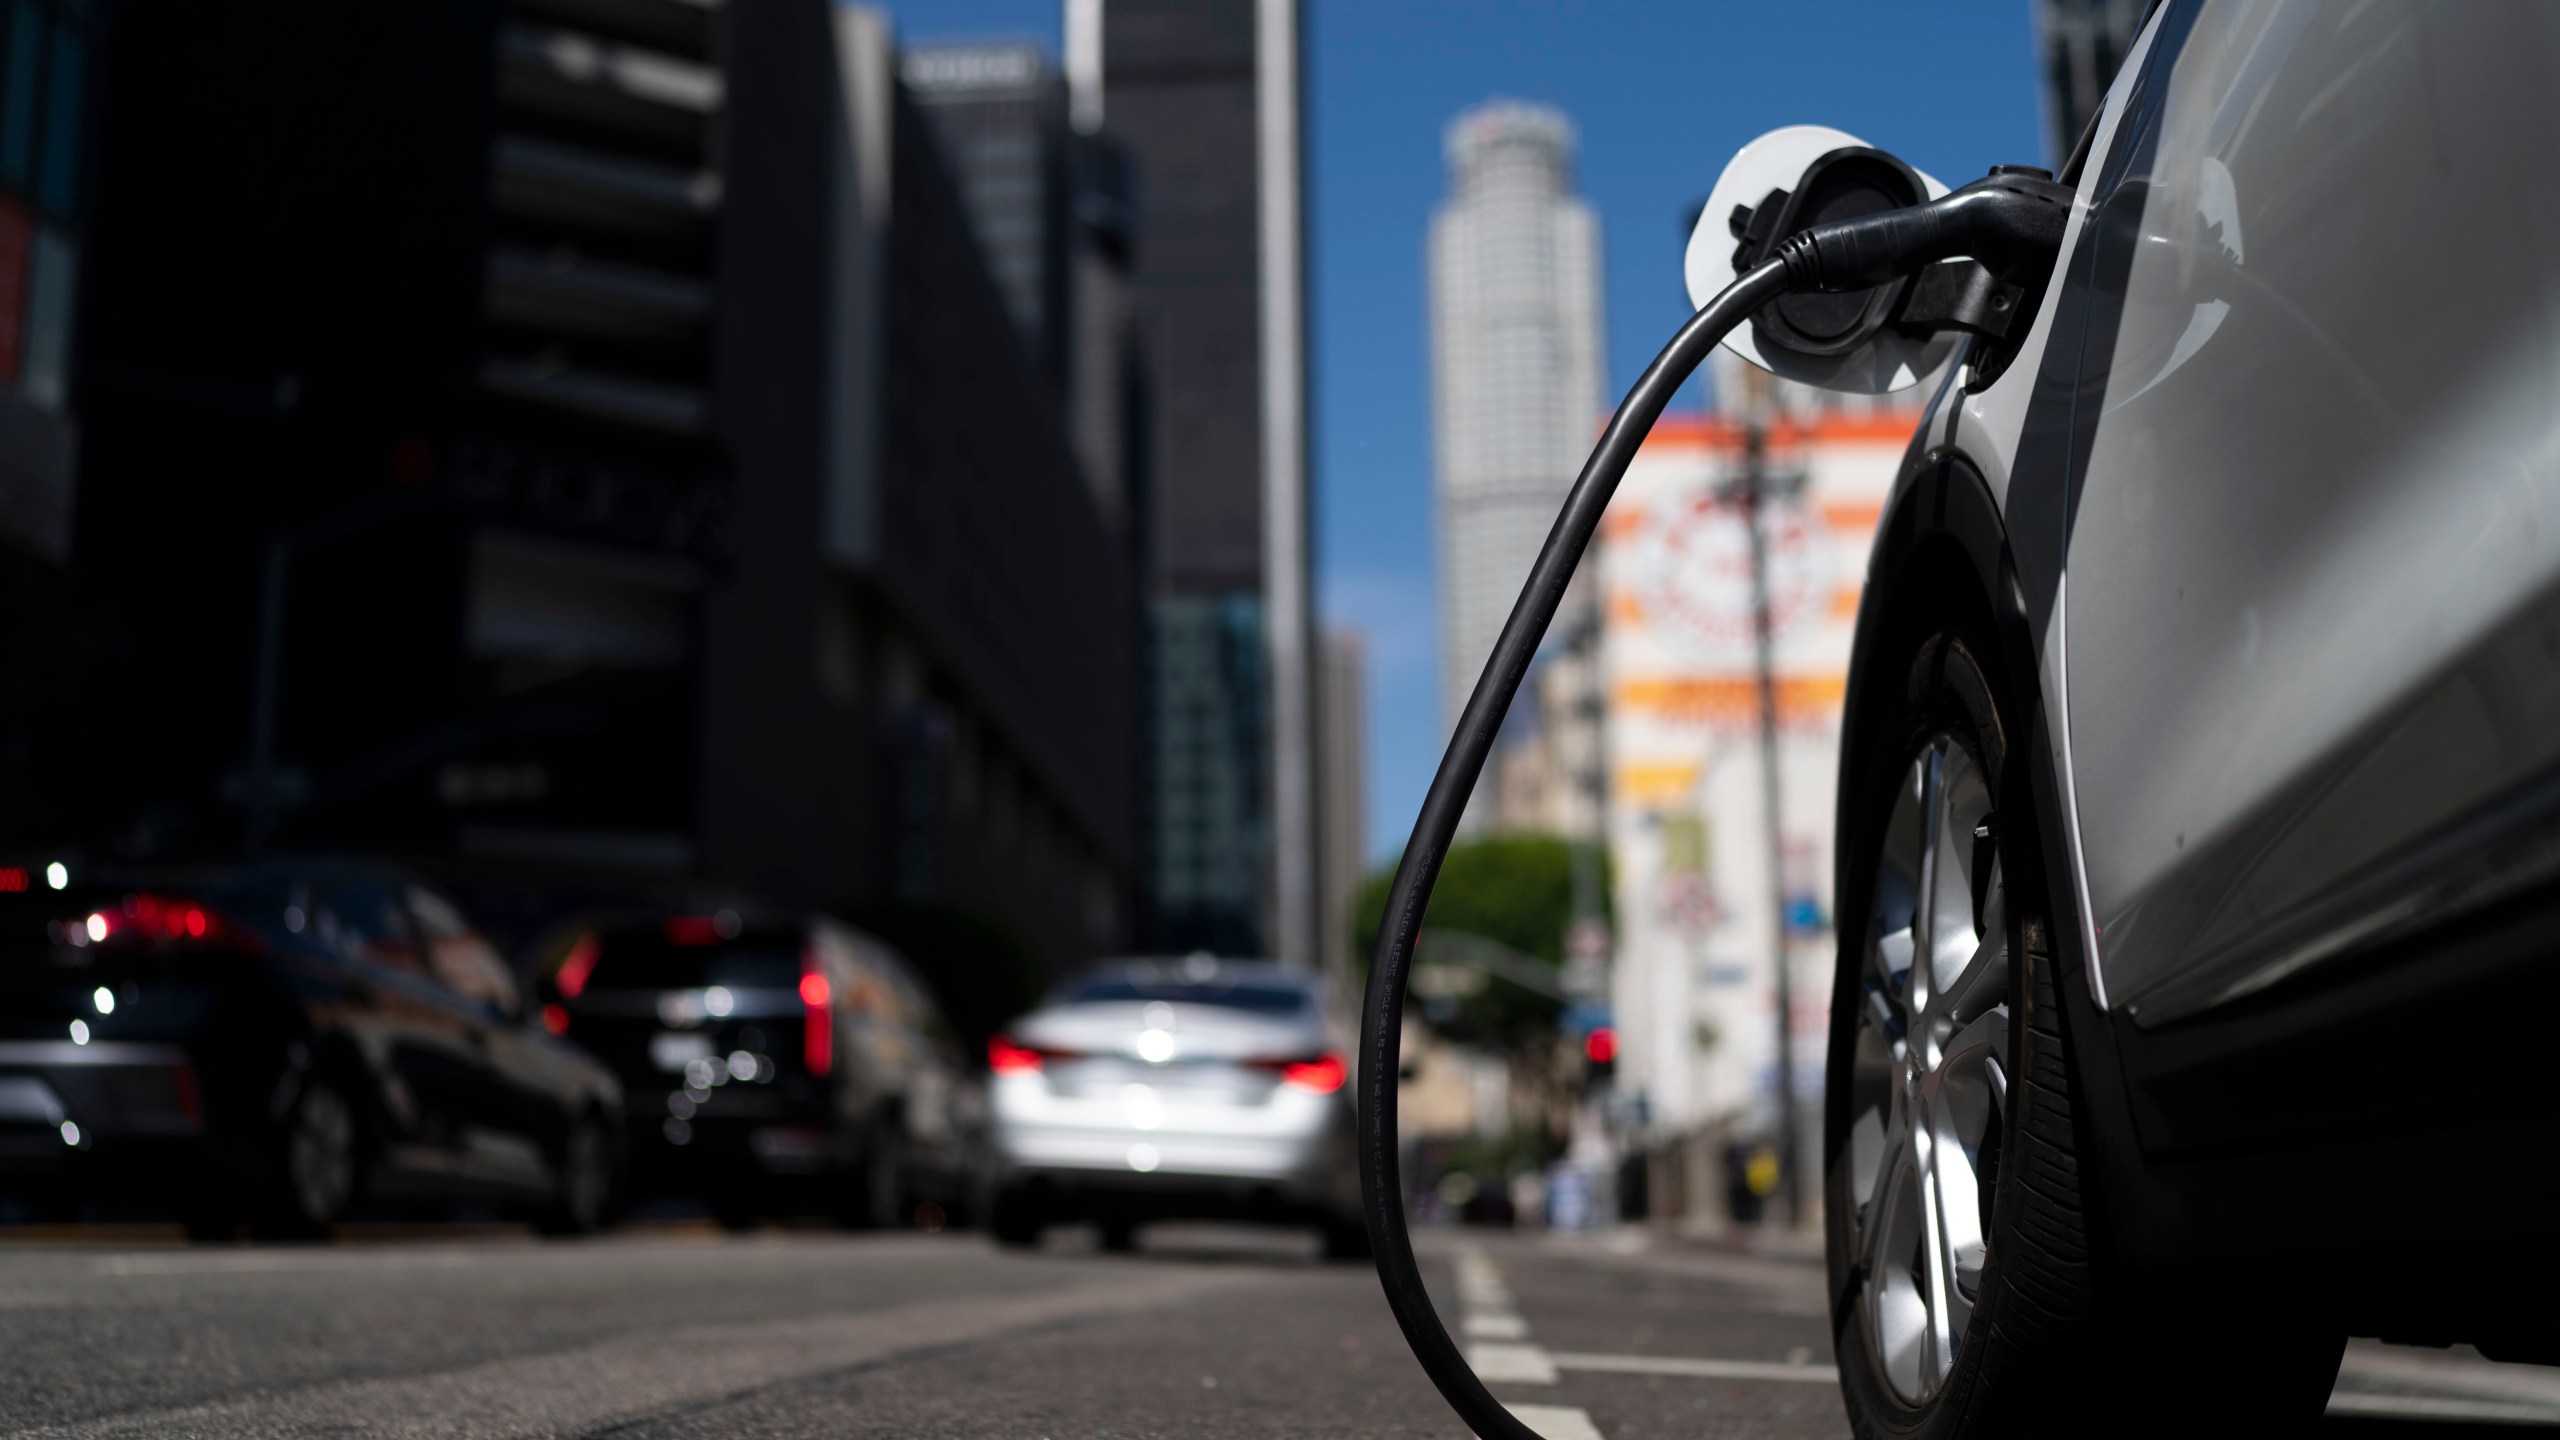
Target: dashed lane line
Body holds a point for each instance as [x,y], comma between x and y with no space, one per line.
[1498,1364]
[1557,1422]
[1697,1369]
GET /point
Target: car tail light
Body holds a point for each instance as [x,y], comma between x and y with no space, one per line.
[1323,1075]
[694,930]
[1006,1058]
[578,966]
[555,1018]
[164,921]
[818,1015]
[13,879]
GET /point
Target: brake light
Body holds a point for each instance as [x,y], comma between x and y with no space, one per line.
[694,930]
[1006,1058]
[818,1016]
[13,879]
[577,966]
[162,920]
[555,1018]
[1323,1075]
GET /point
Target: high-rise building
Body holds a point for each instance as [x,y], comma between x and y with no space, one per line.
[1342,731]
[1515,366]
[47,54]
[2079,44]
[1055,213]
[593,453]
[51,655]
[1204,93]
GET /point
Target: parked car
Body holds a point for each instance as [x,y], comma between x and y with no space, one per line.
[278,1042]
[1164,1089]
[773,1062]
[2197,873]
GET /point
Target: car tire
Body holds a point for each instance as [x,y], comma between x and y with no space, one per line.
[1965,1289]
[1346,1238]
[319,1163]
[1015,1220]
[582,1198]
[876,1195]
[210,1220]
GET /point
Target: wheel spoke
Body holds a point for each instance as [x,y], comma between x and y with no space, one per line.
[1982,980]
[1925,922]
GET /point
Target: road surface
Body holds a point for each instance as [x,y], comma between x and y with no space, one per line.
[682,1332]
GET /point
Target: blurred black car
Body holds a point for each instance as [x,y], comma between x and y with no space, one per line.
[770,1064]
[276,1043]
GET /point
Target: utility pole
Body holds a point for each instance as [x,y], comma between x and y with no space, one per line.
[1754,488]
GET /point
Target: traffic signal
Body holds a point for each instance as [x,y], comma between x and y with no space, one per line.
[1600,1054]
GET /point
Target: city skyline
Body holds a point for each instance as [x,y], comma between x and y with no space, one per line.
[1663,95]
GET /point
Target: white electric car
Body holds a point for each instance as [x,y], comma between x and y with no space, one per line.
[2199,868]
[1170,1089]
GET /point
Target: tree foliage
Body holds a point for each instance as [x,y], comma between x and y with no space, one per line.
[1515,890]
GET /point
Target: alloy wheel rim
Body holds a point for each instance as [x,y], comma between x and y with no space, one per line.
[1929,1084]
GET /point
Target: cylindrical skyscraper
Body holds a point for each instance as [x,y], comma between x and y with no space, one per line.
[1515,362]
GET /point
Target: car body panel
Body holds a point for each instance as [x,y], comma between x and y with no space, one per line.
[2314,548]
[187,1077]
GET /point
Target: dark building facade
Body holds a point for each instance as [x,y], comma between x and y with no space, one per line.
[1055,212]
[1180,89]
[2079,44]
[48,54]
[579,456]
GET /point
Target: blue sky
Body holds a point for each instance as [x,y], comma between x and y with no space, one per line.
[1663,93]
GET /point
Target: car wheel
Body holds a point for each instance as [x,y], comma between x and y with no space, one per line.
[1346,1237]
[317,1168]
[1015,1220]
[584,1186]
[1960,1265]
[877,1197]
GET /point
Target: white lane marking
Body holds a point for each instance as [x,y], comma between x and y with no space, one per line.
[2440,1407]
[1494,1325]
[1512,1364]
[1697,1369]
[1557,1422]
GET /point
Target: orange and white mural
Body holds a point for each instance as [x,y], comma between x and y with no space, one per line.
[1695,981]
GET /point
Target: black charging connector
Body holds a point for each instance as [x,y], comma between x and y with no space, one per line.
[1858,214]
[2009,225]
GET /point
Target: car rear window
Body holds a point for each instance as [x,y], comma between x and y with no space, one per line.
[1260,997]
[650,962]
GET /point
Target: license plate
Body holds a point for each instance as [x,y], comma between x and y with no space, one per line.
[674,1050]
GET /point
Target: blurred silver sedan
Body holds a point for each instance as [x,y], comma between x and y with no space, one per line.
[1164,1089]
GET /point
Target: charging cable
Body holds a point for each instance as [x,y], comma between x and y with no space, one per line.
[2012,224]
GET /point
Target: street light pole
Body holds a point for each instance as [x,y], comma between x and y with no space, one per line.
[1755,482]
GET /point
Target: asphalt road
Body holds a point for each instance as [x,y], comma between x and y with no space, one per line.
[675,1332]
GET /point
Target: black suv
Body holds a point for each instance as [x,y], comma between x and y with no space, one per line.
[772,1063]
